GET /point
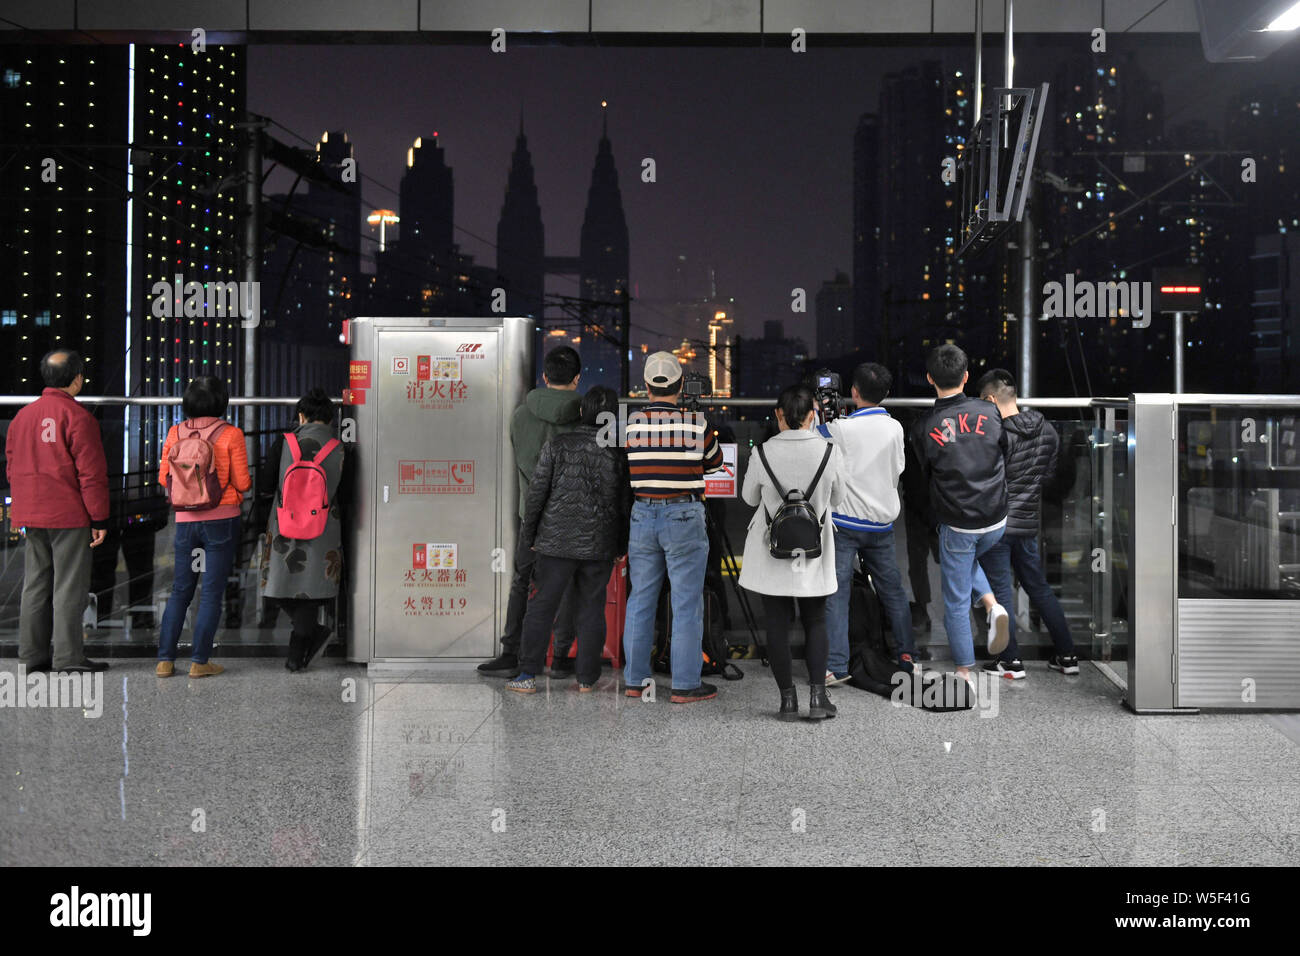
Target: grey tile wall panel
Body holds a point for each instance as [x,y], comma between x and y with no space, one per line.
[184,15]
[37,15]
[334,15]
[1150,16]
[829,16]
[675,16]
[549,16]
[958,16]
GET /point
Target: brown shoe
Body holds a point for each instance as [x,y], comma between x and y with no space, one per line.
[206,670]
[165,669]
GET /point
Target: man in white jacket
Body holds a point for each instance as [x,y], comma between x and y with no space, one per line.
[871,454]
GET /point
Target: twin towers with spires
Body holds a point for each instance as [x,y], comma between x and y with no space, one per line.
[601,265]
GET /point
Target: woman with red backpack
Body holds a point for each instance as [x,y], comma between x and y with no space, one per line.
[303,562]
[205,471]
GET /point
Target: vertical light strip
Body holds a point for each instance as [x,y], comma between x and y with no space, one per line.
[130,186]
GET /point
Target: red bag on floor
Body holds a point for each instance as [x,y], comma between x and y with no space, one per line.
[615,616]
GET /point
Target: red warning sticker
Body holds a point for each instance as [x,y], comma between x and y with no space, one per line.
[416,477]
[358,374]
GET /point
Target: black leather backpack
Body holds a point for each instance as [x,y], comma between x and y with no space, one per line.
[795,529]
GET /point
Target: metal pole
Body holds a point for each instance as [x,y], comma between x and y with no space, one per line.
[251,266]
[1028,300]
[979,60]
[1008,67]
[1178,353]
[625,344]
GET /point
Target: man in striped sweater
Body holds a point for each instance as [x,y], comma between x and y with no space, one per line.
[668,452]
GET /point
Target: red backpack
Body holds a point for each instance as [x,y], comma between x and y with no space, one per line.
[304,493]
[192,480]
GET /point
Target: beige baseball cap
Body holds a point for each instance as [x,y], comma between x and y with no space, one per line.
[662,369]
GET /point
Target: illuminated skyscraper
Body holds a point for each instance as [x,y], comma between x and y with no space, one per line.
[603,255]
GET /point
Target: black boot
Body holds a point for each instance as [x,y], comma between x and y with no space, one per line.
[789,704]
[819,705]
[315,644]
[293,663]
[504,665]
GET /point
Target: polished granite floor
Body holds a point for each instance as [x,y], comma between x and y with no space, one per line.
[262,767]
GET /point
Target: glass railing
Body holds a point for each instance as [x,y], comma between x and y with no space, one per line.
[1079,505]
[131,575]
[1236,536]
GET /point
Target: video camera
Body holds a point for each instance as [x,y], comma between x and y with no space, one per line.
[695,385]
[828,391]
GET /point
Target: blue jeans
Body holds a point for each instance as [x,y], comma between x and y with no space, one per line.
[667,538]
[876,549]
[959,567]
[996,565]
[1020,552]
[218,540]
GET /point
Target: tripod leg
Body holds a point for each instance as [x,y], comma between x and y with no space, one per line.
[729,562]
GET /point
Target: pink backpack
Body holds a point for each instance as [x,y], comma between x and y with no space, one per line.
[304,494]
[192,480]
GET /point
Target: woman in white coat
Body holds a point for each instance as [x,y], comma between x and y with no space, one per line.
[794,455]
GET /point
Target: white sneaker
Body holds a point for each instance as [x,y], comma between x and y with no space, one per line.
[999,629]
[833,681]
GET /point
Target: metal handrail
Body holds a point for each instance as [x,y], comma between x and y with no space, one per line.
[1209,398]
[900,402]
[1186,398]
[150,400]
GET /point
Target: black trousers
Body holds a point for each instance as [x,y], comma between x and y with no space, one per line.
[517,605]
[304,613]
[780,615]
[136,542]
[922,545]
[556,576]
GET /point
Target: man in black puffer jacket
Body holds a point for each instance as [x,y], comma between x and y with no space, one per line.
[576,520]
[1032,446]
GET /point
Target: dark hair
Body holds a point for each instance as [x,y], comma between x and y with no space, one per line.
[998,383]
[598,399]
[206,397]
[795,403]
[60,373]
[873,382]
[562,365]
[316,406]
[665,391]
[946,365]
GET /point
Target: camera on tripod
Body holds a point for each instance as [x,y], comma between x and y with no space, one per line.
[827,389]
[695,385]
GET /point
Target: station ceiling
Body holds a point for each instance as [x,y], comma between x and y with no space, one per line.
[359,21]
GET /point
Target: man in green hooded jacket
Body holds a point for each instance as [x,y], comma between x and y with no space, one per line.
[545,413]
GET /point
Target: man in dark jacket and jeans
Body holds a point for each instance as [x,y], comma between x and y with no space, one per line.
[1032,446]
[961,446]
[576,524]
[545,413]
[58,480]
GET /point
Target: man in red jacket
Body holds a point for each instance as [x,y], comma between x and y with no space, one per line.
[58,480]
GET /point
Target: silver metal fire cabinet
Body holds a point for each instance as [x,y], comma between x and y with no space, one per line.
[432,546]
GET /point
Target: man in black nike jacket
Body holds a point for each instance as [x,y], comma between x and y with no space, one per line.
[961,446]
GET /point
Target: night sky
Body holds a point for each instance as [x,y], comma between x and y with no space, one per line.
[753,146]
